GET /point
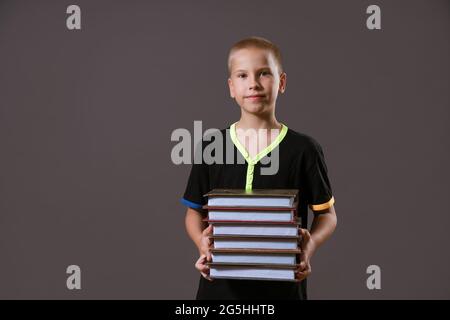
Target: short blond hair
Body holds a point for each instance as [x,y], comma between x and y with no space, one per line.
[256,42]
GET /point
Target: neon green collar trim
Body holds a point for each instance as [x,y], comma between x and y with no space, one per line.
[263,152]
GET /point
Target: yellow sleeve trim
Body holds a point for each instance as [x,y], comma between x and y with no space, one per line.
[322,206]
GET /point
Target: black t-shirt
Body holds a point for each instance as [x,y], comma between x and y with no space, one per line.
[301,166]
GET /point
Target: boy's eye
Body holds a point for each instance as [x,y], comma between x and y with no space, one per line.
[242,75]
[265,73]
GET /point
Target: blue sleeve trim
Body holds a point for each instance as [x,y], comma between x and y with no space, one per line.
[190,204]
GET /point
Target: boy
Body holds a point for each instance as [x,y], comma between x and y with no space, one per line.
[255,78]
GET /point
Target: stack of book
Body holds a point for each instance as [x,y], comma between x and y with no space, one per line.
[255,233]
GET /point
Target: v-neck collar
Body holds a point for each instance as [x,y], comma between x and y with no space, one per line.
[263,152]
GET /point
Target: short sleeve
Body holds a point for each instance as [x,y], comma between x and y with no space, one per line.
[316,183]
[197,185]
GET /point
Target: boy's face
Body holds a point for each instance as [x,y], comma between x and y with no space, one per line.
[255,80]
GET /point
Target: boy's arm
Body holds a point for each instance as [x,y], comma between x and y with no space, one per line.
[197,230]
[322,227]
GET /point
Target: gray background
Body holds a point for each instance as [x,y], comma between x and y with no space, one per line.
[86,118]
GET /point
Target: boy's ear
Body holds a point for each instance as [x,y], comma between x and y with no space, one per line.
[282,86]
[230,85]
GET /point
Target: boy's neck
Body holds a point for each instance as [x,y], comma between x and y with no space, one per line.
[249,121]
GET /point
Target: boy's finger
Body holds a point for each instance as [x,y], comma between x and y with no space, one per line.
[299,280]
[203,259]
[302,274]
[302,266]
[201,264]
[305,235]
[207,230]
[199,260]
[299,271]
[202,268]
[207,277]
[299,277]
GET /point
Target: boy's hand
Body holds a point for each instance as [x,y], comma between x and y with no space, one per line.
[205,243]
[201,266]
[308,247]
[205,254]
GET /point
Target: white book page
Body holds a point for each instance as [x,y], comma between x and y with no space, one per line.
[250,215]
[250,202]
[263,230]
[256,244]
[288,259]
[249,272]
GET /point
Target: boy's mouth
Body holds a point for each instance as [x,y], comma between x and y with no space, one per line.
[255,96]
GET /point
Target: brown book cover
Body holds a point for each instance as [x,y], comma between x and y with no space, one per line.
[294,222]
[257,265]
[253,237]
[230,208]
[256,251]
[252,193]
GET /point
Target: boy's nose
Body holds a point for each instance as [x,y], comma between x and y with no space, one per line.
[254,83]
